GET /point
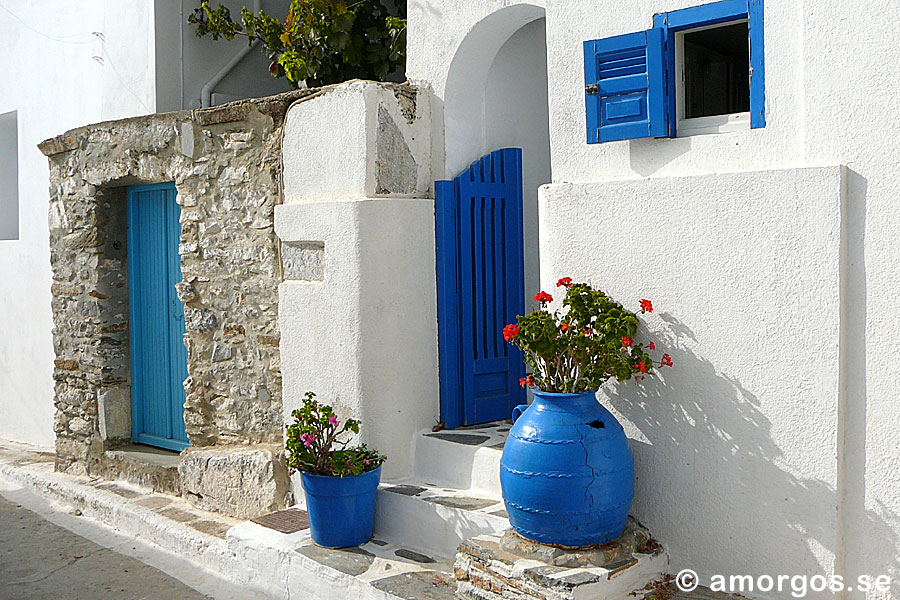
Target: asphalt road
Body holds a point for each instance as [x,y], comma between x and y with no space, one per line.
[42,561]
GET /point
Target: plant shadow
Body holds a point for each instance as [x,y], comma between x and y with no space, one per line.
[717,489]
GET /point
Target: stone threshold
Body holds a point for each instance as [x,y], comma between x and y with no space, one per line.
[144,466]
[263,561]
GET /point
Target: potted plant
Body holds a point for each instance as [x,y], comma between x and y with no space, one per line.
[340,482]
[567,473]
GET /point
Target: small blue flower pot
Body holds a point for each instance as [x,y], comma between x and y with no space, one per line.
[341,509]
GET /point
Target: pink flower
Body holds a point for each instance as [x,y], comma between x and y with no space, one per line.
[307,439]
[333,421]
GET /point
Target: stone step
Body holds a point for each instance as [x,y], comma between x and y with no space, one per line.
[433,519]
[467,458]
[145,466]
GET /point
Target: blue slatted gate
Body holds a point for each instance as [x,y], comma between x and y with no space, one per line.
[158,354]
[480,278]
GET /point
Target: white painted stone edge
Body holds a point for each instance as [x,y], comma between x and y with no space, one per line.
[245,558]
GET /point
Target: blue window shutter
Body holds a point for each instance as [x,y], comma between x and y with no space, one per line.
[757,65]
[591,101]
[625,86]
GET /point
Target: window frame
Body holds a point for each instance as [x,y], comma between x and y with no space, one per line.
[725,12]
[723,123]
[10,202]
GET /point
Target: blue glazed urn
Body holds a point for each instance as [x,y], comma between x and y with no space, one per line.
[567,472]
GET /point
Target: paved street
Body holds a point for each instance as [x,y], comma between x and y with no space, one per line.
[42,561]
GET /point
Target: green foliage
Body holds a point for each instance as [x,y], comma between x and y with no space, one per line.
[312,439]
[582,346]
[320,41]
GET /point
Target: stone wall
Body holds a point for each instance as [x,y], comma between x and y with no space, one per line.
[226,165]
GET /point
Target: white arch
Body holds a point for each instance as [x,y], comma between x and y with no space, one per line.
[464,123]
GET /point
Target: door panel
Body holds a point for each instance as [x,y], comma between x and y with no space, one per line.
[479,237]
[158,354]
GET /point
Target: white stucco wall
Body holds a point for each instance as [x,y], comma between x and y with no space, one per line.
[830,90]
[363,336]
[735,447]
[519,71]
[58,74]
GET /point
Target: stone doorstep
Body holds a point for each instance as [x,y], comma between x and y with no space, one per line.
[144,466]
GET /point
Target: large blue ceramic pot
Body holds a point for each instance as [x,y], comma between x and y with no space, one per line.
[567,471]
[341,509]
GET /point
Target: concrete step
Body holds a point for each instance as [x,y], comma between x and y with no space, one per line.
[467,458]
[435,520]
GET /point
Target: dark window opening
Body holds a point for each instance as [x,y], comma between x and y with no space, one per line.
[717,71]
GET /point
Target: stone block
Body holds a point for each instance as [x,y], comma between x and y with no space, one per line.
[241,481]
[504,566]
[114,413]
[303,261]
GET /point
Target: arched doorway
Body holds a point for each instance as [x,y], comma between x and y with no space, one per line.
[495,98]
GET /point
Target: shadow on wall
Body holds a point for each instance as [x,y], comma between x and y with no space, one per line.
[719,446]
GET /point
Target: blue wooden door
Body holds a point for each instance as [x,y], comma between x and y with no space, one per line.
[158,354]
[481,288]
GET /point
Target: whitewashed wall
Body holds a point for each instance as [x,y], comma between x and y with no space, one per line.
[64,65]
[358,321]
[57,75]
[749,434]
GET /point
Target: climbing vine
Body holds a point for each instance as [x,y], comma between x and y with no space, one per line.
[320,41]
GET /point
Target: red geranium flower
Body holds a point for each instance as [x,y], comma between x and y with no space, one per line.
[588,331]
[642,366]
[646,305]
[543,297]
[564,282]
[627,341]
[652,346]
[510,331]
[667,360]
[564,327]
